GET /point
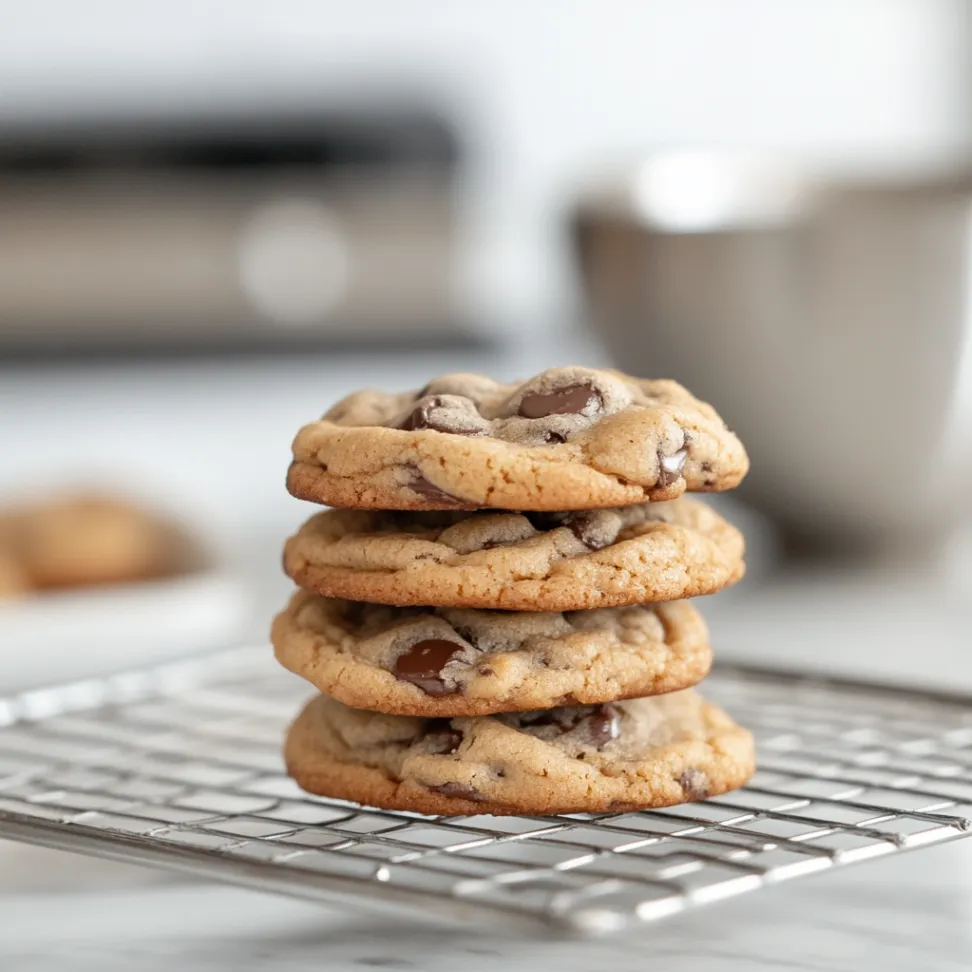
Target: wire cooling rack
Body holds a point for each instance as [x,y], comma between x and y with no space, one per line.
[179,766]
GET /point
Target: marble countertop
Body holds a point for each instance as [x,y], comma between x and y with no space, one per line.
[211,439]
[900,914]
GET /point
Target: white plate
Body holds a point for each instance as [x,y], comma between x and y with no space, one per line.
[57,637]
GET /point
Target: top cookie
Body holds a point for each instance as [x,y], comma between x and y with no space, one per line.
[567,439]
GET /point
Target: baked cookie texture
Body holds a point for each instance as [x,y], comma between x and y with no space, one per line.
[87,540]
[567,439]
[518,561]
[14,581]
[613,757]
[439,662]
[494,612]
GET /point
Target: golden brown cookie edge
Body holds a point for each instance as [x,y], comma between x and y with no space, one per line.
[307,481]
[300,652]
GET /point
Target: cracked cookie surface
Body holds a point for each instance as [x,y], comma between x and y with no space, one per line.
[518,561]
[619,756]
[461,662]
[568,438]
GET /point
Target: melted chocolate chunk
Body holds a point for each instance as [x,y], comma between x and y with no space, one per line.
[584,527]
[420,416]
[429,413]
[422,665]
[441,738]
[596,724]
[544,521]
[462,790]
[571,400]
[670,467]
[695,784]
[603,725]
[548,717]
[430,491]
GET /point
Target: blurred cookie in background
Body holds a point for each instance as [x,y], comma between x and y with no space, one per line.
[13,579]
[92,583]
[86,541]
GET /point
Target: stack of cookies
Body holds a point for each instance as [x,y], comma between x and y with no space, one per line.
[494,611]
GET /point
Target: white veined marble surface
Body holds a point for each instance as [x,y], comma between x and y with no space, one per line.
[911,913]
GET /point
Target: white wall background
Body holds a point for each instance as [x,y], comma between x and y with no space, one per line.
[546,90]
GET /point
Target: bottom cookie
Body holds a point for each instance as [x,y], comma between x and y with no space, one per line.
[619,756]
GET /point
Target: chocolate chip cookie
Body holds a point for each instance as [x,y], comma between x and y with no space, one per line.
[613,757]
[518,561]
[566,439]
[460,662]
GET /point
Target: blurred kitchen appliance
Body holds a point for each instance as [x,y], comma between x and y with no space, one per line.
[829,321]
[228,230]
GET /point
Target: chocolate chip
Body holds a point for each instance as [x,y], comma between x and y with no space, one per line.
[555,438]
[584,527]
[596,724]
[695,784]
[461,790]
[670,467]
[603,725]
[544,521]
[422,665]
[429,414]
[570,400]
[441,738]
[418,417]
[547,717]
[419,484]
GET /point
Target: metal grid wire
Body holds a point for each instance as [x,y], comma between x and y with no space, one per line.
[180,766]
